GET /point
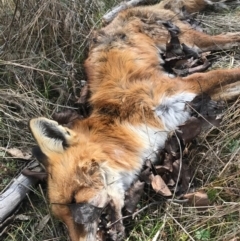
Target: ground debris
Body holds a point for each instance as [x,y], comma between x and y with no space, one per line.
[133,195]
[160,186]
[41,176]
[171,176]
[181,59]
[16,153]
[199,199]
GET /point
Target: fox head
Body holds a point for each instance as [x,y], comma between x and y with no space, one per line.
[76,187]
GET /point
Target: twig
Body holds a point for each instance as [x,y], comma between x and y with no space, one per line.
[180,164]
[29,67]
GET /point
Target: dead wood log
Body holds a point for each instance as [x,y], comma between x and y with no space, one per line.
[108,17]
[16,191]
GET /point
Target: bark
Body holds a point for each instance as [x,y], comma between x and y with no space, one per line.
[108,17]
[16,191]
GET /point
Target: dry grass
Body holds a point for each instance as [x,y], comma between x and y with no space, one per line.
[42,46]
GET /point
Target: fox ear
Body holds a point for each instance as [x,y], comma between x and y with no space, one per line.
[50,136]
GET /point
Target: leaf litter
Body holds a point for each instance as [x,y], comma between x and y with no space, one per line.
[16,153]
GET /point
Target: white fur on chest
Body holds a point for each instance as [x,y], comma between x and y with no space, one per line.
[173,110]
[151,139]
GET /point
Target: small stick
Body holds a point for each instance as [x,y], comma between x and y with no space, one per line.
[108,17]
[11,197]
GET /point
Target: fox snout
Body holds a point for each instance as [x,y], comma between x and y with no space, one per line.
[87,215]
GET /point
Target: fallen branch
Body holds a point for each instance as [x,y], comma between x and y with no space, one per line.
[108,17]
[16,191]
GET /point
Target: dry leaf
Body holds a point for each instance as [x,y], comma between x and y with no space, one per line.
[235,239]
[209,121]
[145,175]
[193,127]
[65,117]
[189,130]
[197,199]
[16,153]
[173,47]
[202,105]
[184,177]
[42,223]
[83,95]
[161,169]
[42,176]
[190,52]
[172,146]
[148,163]
[176,170]
[168,162]
[133,195]
[160,186]
[22,217]
[171,183]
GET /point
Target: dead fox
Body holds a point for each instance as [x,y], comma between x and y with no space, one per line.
[93,161]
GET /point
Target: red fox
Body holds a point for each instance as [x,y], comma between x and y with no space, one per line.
[93,161]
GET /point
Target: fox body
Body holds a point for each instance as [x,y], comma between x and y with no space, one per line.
[135,106]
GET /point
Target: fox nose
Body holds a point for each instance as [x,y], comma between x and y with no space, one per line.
[85,213]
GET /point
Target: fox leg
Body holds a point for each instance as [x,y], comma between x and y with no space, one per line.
[177,92]
[192,6]
[205,42]
[154,28]
[227,92]
[210,81]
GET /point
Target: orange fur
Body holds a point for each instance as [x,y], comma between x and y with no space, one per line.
[135,105]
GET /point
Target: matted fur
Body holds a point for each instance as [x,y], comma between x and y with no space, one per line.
[135,105]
